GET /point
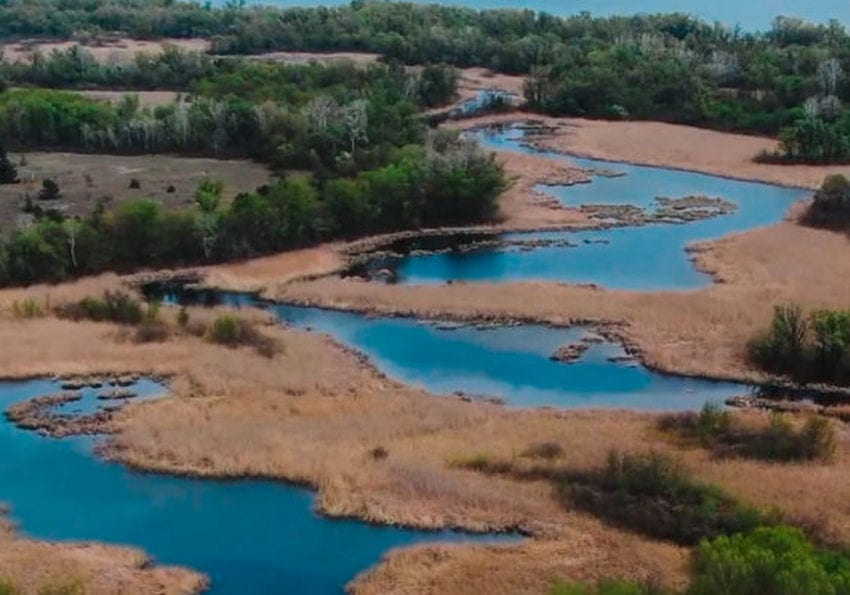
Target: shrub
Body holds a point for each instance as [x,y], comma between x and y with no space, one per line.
[781,348]
[831,329]
[63,587]
[49,190]
[233,331]
[718,430]
[152,331]
[28,308]
[704,427]
[227,330]
[769,560]
[114,306]
[654,495]
[831,204]
[183,317]
[781,442]
[544,450]
[481,462]
[7,588]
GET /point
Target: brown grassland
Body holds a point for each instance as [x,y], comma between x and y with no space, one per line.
[85,178]
[315,413]
[37,567]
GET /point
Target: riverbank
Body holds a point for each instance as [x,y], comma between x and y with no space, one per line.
[699,332]
[33,566]
[662,145]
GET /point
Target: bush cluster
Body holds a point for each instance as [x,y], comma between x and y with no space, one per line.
[766,561]
[113,306]
[654,495]
[232,331]
[807,348]
[720,431]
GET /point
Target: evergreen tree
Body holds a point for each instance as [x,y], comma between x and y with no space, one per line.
[8,171]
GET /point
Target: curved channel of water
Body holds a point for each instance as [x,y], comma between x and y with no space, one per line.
[248,536]
[645,258]
[512,363]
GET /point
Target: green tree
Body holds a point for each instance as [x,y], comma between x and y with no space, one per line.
[8,171]
[775,560]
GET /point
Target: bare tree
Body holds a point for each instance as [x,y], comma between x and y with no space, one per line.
[830,74]
[72,227]
[356,121]
[321,112]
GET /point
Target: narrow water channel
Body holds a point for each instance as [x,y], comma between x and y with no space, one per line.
[643,258]
[249,536]
[512,363]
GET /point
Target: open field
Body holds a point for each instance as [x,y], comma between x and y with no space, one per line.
[146,98]
[359,58]
[107,50]
[667,145]
[85,178]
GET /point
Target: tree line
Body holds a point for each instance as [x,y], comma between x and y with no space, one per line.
[338,118]
[789,79]
[447,181]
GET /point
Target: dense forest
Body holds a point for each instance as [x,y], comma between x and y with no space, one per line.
[373,165]
[789,80]
[305,116]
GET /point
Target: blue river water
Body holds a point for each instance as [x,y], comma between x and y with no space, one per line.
[756,15]
[648,258]
[248,536]
[510,362]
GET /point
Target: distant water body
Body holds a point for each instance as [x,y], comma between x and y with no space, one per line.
[752,15]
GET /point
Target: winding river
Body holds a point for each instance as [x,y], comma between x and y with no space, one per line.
[261,536]
[645,258]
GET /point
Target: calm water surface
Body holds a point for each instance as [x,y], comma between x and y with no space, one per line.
[650,258]
[509,362]
[248,536]
[753,15]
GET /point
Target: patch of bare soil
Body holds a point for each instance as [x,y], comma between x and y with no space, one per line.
[358,58]
[146,98]
[104,51]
